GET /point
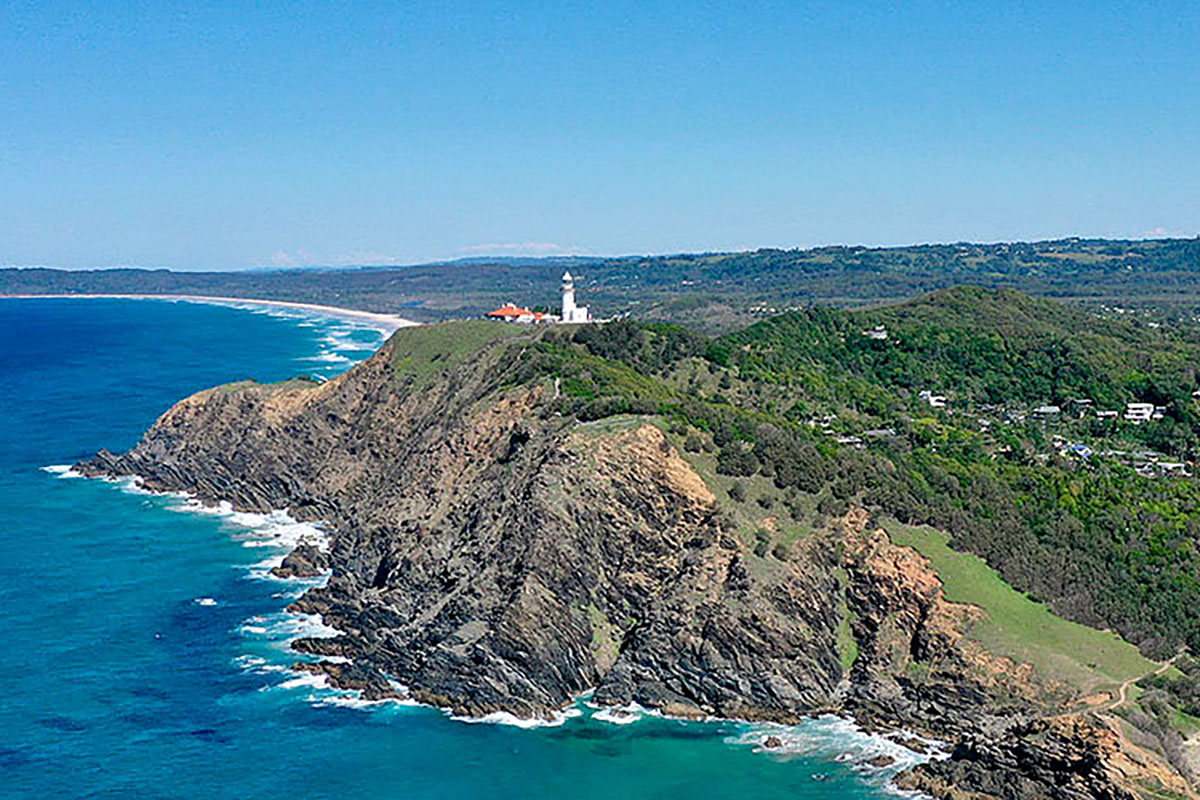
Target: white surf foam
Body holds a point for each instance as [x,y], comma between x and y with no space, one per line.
[133,485]
[328,357]
[354,701]
[247,661]
[621,715]
[341,342]
[303,680]
[286,626]
[62,471]
[276,529]
[352,698]
[258,665]
[830,737]
[841,740]
[505,718]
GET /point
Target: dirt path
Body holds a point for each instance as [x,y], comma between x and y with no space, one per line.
[1123,692]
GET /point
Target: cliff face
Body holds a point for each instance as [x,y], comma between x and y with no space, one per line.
[491,554]
[1070,756]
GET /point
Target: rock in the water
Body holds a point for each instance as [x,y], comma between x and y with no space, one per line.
[306,561]
[912,743]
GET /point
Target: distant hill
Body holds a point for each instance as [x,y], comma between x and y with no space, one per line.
[710,291]
[978,345]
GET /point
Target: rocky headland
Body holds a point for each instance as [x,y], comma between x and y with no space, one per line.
[491,553]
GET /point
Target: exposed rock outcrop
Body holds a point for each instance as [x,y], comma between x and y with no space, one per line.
[306,561]
[1075,757]
[915,663]
[491,554]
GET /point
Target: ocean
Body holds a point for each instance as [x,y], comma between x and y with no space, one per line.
[145,646]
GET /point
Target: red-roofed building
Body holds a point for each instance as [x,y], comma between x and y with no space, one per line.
[513,313]
[571,313]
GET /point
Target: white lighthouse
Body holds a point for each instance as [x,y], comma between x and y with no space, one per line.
[570,311]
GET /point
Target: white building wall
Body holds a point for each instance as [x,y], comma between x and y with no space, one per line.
[570,311]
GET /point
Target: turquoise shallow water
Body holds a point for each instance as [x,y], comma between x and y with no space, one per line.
[145,653]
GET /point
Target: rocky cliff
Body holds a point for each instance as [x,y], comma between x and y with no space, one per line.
[490,553]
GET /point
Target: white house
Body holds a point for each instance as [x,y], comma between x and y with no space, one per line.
[879,332]
[509,312]
[1138,413]
[934,400]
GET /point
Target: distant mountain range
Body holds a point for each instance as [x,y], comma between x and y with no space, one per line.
[712,291]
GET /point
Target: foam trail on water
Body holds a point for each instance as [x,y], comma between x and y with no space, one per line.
[328,357]
[340,343]
[276,529]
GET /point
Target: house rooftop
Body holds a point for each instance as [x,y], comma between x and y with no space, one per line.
[510,310]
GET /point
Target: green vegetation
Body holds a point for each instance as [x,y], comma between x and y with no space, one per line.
[1020,627]
[1178,688]
[606,637]
[753,505]
[1166,706]
[1095,542]
[980,348]
[423,351]
[847,645]
[775,419]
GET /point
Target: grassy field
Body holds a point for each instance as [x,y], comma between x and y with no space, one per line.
[1020,627]
[1016,626]
[426,350]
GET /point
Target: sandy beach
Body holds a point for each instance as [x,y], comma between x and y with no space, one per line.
[389,321]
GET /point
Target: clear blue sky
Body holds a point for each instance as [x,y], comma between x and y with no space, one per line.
[230,135]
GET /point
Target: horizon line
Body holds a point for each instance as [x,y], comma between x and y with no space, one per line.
[484,258]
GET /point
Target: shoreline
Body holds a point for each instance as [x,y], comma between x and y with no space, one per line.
[391,321]
[858,744]
[836,738]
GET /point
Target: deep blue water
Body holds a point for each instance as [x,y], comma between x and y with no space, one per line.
[145,654]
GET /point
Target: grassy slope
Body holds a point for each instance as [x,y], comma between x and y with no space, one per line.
[1017,626]
[424,351]
[1023,628]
